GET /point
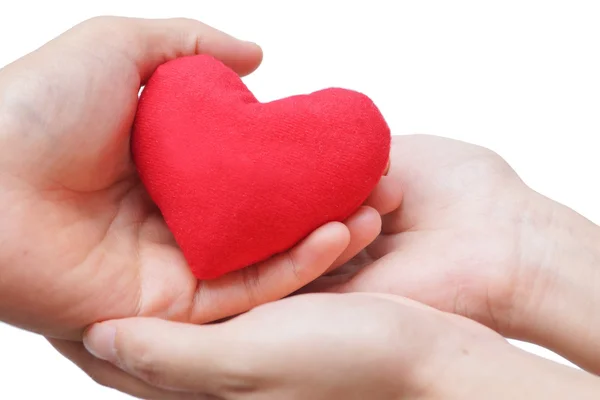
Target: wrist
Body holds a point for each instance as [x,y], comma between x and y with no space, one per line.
[555,302]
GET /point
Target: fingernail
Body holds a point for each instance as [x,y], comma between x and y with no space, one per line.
[387,168]
[99,340]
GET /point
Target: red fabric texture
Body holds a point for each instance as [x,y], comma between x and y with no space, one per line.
[239,181]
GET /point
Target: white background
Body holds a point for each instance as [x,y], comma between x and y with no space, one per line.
[521,77]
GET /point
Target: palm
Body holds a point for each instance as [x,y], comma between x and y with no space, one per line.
[114,256]
[450,242]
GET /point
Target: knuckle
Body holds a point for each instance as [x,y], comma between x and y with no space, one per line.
[96,22]
[242,377]
[491,155]
[193,34]
[293,266]
[100,27]
[252,284]
[182,20]
[493,164]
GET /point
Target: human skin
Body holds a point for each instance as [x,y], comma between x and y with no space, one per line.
[473,239]
[321,347]
[80,239]
[478,243]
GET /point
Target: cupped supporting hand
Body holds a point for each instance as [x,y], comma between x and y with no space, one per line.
[470,237]
[321,347]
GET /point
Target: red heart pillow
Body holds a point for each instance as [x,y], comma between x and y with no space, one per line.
[238,181]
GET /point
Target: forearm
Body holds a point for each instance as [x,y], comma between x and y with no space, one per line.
[558,303]
[506,372]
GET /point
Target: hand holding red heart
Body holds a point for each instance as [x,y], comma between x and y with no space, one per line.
[80,239]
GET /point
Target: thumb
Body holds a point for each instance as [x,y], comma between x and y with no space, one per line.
[91,76]
[151,42]
[143,44]
[171,355]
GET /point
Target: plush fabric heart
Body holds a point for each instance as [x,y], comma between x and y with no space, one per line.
[239,181]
